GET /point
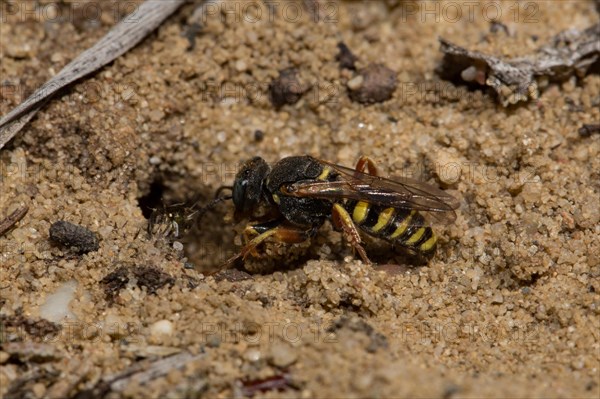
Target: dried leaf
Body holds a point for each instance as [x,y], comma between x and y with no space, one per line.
[518,79]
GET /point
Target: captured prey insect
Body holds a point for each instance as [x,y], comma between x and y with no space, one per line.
[172,221]
[289,201]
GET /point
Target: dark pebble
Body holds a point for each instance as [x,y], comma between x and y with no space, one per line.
[259,135]
[286,89]
[589,129]
[379,84]
[345,57]
[72,235]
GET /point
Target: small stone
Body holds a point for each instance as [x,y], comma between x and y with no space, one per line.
[56,57]
[259,135]
[177,246]
[38,390]
[252,355]
[282,355]
[287,88]
[214,341]
[56,307]
[155,160]
[72,235]
[363,382]
[240,66]
[356,82]
[3,357]
[498,298]
[156,115]
[114,325]
[448,166]
[378,85]
[161,328]
[469,74]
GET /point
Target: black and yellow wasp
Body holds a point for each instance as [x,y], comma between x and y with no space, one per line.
[289,201]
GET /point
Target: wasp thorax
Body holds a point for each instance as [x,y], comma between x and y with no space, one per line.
[248,185]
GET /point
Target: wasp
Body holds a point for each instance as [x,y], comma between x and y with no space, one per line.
[289,201]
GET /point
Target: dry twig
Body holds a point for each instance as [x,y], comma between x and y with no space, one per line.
[8,222]
[120,39]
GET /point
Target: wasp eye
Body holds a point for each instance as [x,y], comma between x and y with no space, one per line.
[248,185]
[239,193]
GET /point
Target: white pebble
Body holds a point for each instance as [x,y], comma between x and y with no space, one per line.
[177,246]
[252,355]
[282,355]
[155,161]
[240,66]
[356,82]
[469,74]
[161,327]
[56,307]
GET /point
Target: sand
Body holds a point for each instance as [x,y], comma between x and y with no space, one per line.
[508,307]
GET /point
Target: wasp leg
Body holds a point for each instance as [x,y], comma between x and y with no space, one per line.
[343,221]
[252,231]
[367,163]
[281,231]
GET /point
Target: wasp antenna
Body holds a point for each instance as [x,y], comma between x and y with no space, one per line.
[218,199]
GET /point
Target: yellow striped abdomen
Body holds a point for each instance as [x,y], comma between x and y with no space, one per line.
[398,226]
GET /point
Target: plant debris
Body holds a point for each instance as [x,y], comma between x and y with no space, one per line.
[151,278]
[143,372]
[232,275]
[8,222]
[40,328]
[121,38]
[146,276]
[519,79]
[114,282]
[345,57]
[279,382]
[374,84]
[73,235]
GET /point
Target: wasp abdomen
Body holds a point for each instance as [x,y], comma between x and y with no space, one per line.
[404,227]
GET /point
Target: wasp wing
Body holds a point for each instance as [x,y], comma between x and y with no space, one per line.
[397,192]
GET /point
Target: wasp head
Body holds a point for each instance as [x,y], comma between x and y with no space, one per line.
[248,186]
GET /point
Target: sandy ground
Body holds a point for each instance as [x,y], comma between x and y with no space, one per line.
[509,306]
